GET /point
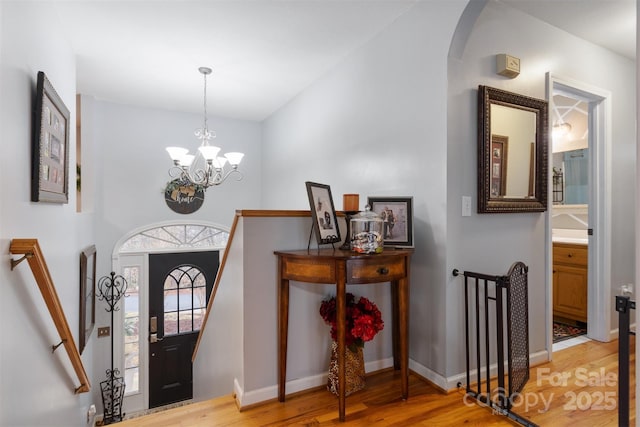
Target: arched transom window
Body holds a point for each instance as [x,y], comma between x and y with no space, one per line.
[181,236]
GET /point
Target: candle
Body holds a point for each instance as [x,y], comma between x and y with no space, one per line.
[350,202]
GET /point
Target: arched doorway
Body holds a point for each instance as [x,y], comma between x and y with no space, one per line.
[130,258]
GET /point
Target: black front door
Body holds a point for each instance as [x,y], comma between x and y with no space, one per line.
[179,288]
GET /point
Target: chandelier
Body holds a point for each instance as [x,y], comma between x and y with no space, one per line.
[205,168]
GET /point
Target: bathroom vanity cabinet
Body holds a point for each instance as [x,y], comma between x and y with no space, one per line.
[570,281]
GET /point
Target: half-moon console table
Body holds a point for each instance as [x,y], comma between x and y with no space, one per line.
[342,268]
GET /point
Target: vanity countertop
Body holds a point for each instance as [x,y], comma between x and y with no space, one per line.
[565,235]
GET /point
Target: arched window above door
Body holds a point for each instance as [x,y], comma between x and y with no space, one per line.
[175,236]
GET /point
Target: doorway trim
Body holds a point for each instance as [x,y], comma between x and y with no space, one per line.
[139,257]
[599,210]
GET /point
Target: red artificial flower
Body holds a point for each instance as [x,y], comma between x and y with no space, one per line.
[363,321]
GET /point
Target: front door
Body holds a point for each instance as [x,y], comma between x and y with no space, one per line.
[179,288]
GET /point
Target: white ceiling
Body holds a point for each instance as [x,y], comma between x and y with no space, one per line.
[263,53]
[608,23]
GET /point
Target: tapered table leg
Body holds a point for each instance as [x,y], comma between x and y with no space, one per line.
[341,314]
[283,326]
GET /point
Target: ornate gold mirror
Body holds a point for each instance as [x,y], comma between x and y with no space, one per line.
[512,152]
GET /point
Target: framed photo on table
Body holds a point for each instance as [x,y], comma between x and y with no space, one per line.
[397,214]
[323,213]
[50,146]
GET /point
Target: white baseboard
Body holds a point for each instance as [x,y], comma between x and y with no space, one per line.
[614,334]
[251,397]
[450,383]
[430,375]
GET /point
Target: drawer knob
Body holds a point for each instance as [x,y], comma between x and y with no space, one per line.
[383,270]
[570,255]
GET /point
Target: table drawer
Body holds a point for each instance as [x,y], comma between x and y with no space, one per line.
[374,271]
[309,270]
[570,254]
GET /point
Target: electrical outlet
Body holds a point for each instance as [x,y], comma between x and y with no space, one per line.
[104,331]
[91,412]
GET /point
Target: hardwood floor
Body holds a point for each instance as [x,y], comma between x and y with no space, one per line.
[579,388]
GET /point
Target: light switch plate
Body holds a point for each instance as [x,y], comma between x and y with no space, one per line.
[104,331]
[466,206]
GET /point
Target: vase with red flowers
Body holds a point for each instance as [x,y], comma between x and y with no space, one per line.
[363,321]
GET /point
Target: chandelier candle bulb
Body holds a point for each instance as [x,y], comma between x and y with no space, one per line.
[351,202]
[234,158]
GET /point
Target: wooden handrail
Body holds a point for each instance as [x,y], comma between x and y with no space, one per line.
[31,250]
[241,213]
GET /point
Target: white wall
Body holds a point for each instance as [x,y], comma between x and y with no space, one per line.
[375,125]
[218,361]
[490,243]
[309,340]
[132,169]
[37,387]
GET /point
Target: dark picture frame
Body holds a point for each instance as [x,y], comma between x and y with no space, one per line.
[50,146]
[87,295]
[397,213]
[509,107]
[499,156]
[325,222]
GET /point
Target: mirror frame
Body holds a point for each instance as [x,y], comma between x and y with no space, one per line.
[538,201]
[87,295]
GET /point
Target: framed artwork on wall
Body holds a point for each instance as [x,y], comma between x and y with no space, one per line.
[397,214]
[50,146]
[499,156]
[87,295]
[323,213]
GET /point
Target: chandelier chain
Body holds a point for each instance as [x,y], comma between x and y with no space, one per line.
[206,128]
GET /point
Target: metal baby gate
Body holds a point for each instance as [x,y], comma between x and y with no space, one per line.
[497,315]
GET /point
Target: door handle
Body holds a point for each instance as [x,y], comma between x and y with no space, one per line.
[153,338]
[153,330]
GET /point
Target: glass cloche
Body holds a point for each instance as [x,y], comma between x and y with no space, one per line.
[367,232]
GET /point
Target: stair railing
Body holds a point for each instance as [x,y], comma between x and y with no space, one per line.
[32,253]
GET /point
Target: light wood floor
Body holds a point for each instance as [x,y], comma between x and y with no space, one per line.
[589,397]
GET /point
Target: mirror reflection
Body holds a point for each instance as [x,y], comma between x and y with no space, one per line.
[570,159]
[513,132]
[512,152]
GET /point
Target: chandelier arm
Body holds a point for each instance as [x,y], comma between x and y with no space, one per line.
[197,176]
[233,171]
[206,178]
[176,172]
